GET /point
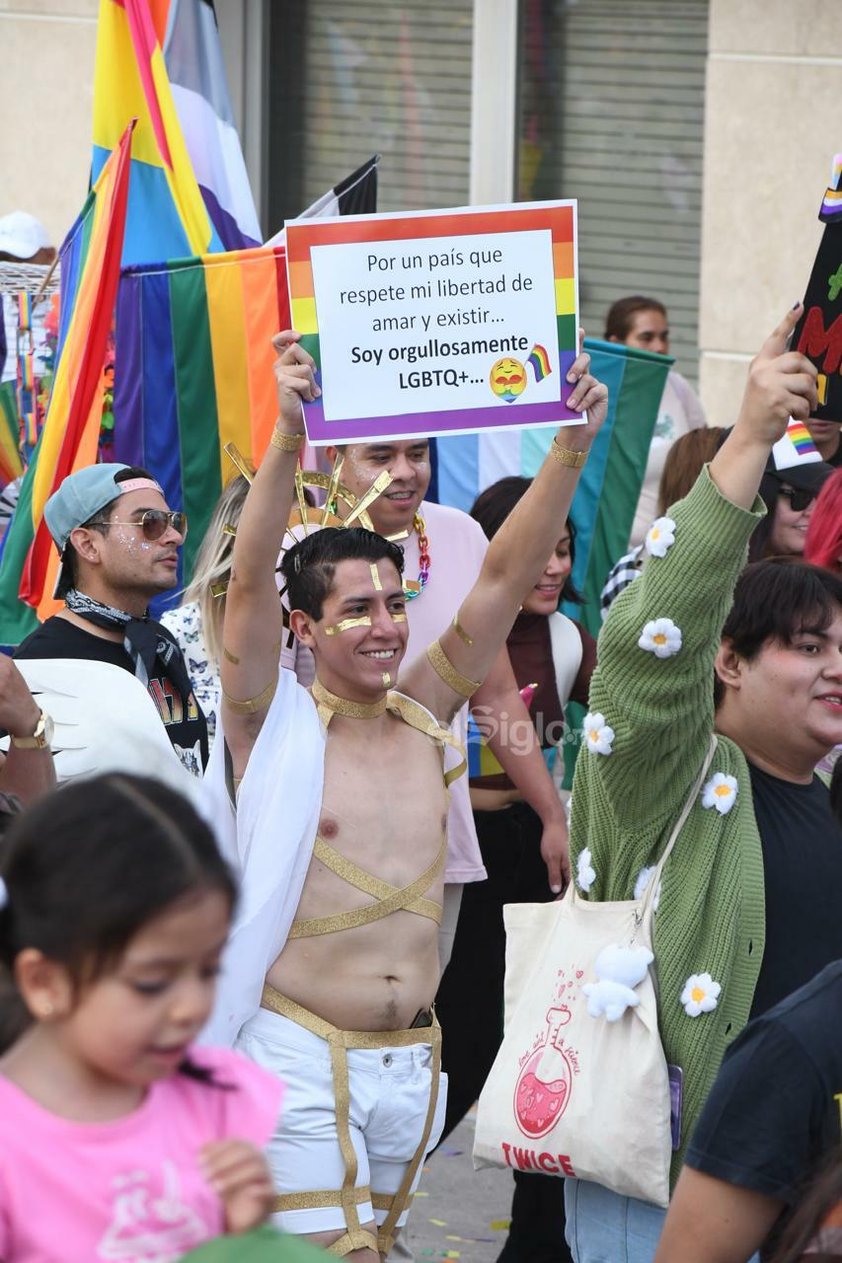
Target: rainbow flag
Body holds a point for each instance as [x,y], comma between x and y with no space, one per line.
[540,362]
[193,371]
[167,216]
[196,69]
[609,487]
[10,461]
[90,261]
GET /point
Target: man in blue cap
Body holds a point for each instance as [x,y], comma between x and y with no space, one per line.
[118,542]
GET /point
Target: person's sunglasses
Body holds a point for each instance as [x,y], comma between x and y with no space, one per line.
[799,497]
[154,523]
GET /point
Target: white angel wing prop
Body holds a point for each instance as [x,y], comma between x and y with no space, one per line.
[105,721]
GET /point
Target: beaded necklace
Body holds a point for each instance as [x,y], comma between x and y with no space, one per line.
[413,588]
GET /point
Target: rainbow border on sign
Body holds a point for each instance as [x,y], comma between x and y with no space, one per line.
[558,217]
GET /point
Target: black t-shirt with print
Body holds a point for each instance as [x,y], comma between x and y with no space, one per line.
[774,1111]
[802,876]
[181,714]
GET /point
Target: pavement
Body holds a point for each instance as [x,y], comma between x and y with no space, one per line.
[459,1213]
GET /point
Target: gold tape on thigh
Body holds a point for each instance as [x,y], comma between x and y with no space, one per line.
[348,1197]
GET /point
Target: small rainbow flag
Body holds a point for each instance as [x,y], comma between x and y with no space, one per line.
[799,436]
[540,362]
[832,203]
[796,447]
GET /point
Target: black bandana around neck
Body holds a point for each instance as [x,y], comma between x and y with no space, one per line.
[144,640]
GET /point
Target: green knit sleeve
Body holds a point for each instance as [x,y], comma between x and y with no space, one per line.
[661,708]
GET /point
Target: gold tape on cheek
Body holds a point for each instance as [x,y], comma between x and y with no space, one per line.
[398,617]
[387,679]
[375,577]
[347,624]
[460,631]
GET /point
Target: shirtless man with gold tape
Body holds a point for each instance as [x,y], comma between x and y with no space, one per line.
[340,825]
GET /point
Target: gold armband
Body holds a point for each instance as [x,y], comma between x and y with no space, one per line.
[287,442]
[446,671]
[566,456]
[251,705]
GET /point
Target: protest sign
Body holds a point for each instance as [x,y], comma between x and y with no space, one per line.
[437,322]
[818,334]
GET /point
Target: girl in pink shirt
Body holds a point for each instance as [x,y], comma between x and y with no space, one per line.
[118,1139]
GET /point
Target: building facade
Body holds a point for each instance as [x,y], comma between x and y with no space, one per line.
[696,134]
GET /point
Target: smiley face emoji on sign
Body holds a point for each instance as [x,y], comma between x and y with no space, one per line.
[507,378]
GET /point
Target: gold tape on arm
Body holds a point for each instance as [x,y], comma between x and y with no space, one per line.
[251,705]
[460,631]
[446,671]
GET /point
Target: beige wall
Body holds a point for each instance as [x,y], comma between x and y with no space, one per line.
[46,92]
[772,125]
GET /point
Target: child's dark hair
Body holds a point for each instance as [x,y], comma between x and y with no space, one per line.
[493,506]
[309,566]
[85,868]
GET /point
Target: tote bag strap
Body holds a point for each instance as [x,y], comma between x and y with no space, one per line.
[652,885]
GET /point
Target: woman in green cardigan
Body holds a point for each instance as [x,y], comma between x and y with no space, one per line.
[736,927]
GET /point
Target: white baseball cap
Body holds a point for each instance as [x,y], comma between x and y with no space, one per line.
[22,235]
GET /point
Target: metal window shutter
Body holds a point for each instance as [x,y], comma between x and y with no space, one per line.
[393,79]
[625,87]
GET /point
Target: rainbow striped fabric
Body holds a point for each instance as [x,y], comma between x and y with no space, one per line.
[10,462]
[167,217]
[90,262]
[609,487]
[193,372]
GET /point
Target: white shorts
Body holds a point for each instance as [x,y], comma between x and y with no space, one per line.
[389,1097]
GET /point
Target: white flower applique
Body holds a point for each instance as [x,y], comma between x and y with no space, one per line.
[700,995]
[585,871]
[720,792]
[661,637]
[599,736]
[640,886]
[660,537]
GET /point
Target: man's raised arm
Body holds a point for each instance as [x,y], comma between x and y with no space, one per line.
[458,662]
[253,622]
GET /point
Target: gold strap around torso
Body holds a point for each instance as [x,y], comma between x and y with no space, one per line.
[388,898]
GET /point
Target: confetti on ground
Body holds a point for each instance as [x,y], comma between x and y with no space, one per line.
[452,1254]
[452,1153]
[498,1225]
[421,1193]
[427,1254]
[440,1223]
[449,1237]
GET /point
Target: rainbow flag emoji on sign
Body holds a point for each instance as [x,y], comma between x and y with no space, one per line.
[540,361]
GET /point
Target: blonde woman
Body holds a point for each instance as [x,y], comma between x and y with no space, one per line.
[197,622]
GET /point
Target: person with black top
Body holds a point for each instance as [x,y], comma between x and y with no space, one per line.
[771,1120]
[119,543]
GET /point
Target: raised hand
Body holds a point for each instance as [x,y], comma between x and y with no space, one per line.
[295,380]
[781,384]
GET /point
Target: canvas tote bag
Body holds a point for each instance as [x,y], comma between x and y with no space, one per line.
[569,1093]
